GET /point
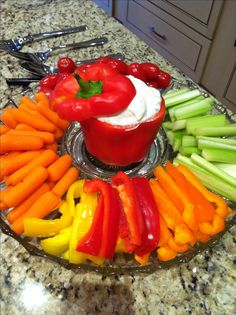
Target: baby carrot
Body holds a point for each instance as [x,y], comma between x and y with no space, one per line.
[7,117]
[27,101]
[58,168]
[24,127]
[42,98]
[58,133]
[39,123]
[64,183]
[3,129]
[53,147]
[12,163]
[10,142]
[27,203]
[42,207]
[44,159]
[24,189]
[47,137]
[52,116]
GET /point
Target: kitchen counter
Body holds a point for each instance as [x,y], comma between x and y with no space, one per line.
[32,285]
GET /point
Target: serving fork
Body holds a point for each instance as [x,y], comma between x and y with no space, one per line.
[17,43]
[42,56]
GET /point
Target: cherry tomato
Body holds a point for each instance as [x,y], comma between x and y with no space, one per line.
[163,79]
[95,71]
[66,64]
[136,70]
[151,70]
[116,64]
[153,83]
[49,82]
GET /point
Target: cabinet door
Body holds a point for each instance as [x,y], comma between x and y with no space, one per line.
[106,5]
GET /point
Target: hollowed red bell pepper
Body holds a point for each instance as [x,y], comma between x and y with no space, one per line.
[131,223]
[150,214]
[105,93]
[102,237]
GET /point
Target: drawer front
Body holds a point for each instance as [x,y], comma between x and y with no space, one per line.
[168,36]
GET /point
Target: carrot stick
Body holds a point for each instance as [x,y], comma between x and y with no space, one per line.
[25,188]
[3,129]
[27,203]
[58,133]
[39,209]
[27,108]
[47,137]
[24,127]
[52,116]
[27,101]
[13,163]
[44,159]
[39,123]
[42,98]
[10,142]
[64,183]
[58,168]
[2,206]
[7,118]
[53,147]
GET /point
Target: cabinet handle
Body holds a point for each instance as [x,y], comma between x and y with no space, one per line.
[152,30]
[235,43]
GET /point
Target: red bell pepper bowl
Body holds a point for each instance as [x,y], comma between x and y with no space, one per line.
[121,145]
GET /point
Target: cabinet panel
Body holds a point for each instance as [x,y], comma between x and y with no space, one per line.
[106,5]
[230,93]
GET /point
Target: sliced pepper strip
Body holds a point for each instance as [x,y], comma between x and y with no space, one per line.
[132,223]
[165,253]
[75,191]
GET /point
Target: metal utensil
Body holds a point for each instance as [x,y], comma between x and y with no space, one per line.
[41,69]
[17,43]
[39,57]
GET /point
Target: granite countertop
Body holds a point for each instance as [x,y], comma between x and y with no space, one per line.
[32,285]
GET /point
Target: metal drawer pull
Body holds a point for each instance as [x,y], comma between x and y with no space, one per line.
[152,30]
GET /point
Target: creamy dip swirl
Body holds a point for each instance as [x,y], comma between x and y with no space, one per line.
[145,105]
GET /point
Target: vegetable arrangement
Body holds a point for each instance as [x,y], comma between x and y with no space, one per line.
[203,141]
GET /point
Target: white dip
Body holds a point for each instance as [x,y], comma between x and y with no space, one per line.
[145,105]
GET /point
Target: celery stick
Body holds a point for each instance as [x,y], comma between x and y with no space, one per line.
[177,144]
[208,120]
[229,141]
[176,92]
[179,124]
[209,180]
[226,167]
[200,161]
[228,130]
[219,155]
[167,125]
[171,110]
[189,141]
[174,100]
[198,108]
[208,144]
[187,151]
[173,135]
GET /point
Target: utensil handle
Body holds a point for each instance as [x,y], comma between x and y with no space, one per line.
[45,35]
[88,43]
[21,81]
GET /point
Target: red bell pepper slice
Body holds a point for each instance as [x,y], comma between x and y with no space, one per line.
[117,93]
[151,216]
[131,223]
[102,237]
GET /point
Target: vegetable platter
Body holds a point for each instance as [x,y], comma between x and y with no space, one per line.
[172,158]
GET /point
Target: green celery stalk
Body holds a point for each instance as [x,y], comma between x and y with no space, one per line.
[179,124]
[208,120]
[228,130]
[208,144]
[177,144]
[226,167]
[219,155]
[189,141]
[193,110]
[173,135]
[229,141]
[209,180]
[187,151]
[183,97]
[176,92]
[171,110]
[200,161]
[167,125]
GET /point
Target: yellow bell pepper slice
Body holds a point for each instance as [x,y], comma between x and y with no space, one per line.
[74,192]
[58,244]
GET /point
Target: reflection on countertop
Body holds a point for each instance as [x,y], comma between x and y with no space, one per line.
[31,285]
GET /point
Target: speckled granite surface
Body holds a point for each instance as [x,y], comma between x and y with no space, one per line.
[30,285]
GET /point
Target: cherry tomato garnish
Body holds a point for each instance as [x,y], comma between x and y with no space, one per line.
[153,83]
[151,70]
[116,64]
[66,64]
[136,70]
[163,79]
[49,82]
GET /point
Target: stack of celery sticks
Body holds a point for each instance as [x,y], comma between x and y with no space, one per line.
[203,141]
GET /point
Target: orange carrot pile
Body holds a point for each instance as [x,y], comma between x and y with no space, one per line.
[35,176]
[188,211]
